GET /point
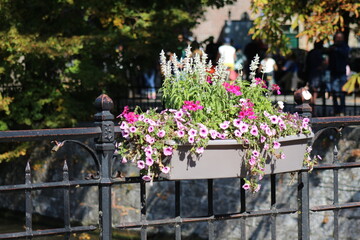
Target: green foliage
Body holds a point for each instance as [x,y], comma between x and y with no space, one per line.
[62,54]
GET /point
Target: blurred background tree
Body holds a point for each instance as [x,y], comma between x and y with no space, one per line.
[57,56]
[318,19]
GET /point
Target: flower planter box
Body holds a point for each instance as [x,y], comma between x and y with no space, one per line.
[224,159]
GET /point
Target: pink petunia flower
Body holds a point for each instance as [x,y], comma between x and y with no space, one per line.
[237,133]
[274,119]
[149,139]
[237,122]
[213,134]
[150,129]
[254,131]
[276,88]
[246,186]
[276,145]
[179,125]
[148,151]
[141,164]
[146,178]
[224,125]
[124,126]
[178,114]
[252,161]
[161,133]
[149,161]
[165,170]
[180,133]
[199,150]
[132,129]
[269,132]
[203,132]
[141,117]
[244,127]
[263,126]
[168,151]
[192,132]
[125,133]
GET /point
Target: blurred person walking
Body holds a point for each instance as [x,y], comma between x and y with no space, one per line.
[315,69]
[338,60]
[290,79]
[228,53]
[268,67]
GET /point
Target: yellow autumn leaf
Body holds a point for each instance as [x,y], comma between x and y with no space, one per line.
[352,83]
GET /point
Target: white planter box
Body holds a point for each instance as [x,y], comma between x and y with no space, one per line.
[224,159]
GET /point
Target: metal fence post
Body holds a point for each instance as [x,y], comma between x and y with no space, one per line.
[303,205]
[302,98]
[105,147]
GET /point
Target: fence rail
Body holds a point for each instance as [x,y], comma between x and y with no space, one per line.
[104,133]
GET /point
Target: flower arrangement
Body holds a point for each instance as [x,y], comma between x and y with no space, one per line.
[201,104]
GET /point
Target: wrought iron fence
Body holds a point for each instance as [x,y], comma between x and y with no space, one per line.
[105,179]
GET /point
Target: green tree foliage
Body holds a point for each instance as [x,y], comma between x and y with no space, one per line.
[319,19]
[63,53]
[59,55]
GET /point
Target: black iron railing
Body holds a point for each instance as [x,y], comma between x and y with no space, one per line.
[105,179]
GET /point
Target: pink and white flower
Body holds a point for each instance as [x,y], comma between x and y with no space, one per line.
[165,170]
[168,151]
[132,129]
[180,133]
[237,122]
[276,145]
[141,164]
[161,133]
[274,119]
[237,133]
[252,161]
[244,127]
[199,150]
[246,186]
[192,132]
[149,161]
[151,129]
[146,178]
[203,132]
[213,134]
[224,125]
[254,130]
[149,139]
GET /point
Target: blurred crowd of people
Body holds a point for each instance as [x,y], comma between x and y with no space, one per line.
[324,70]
